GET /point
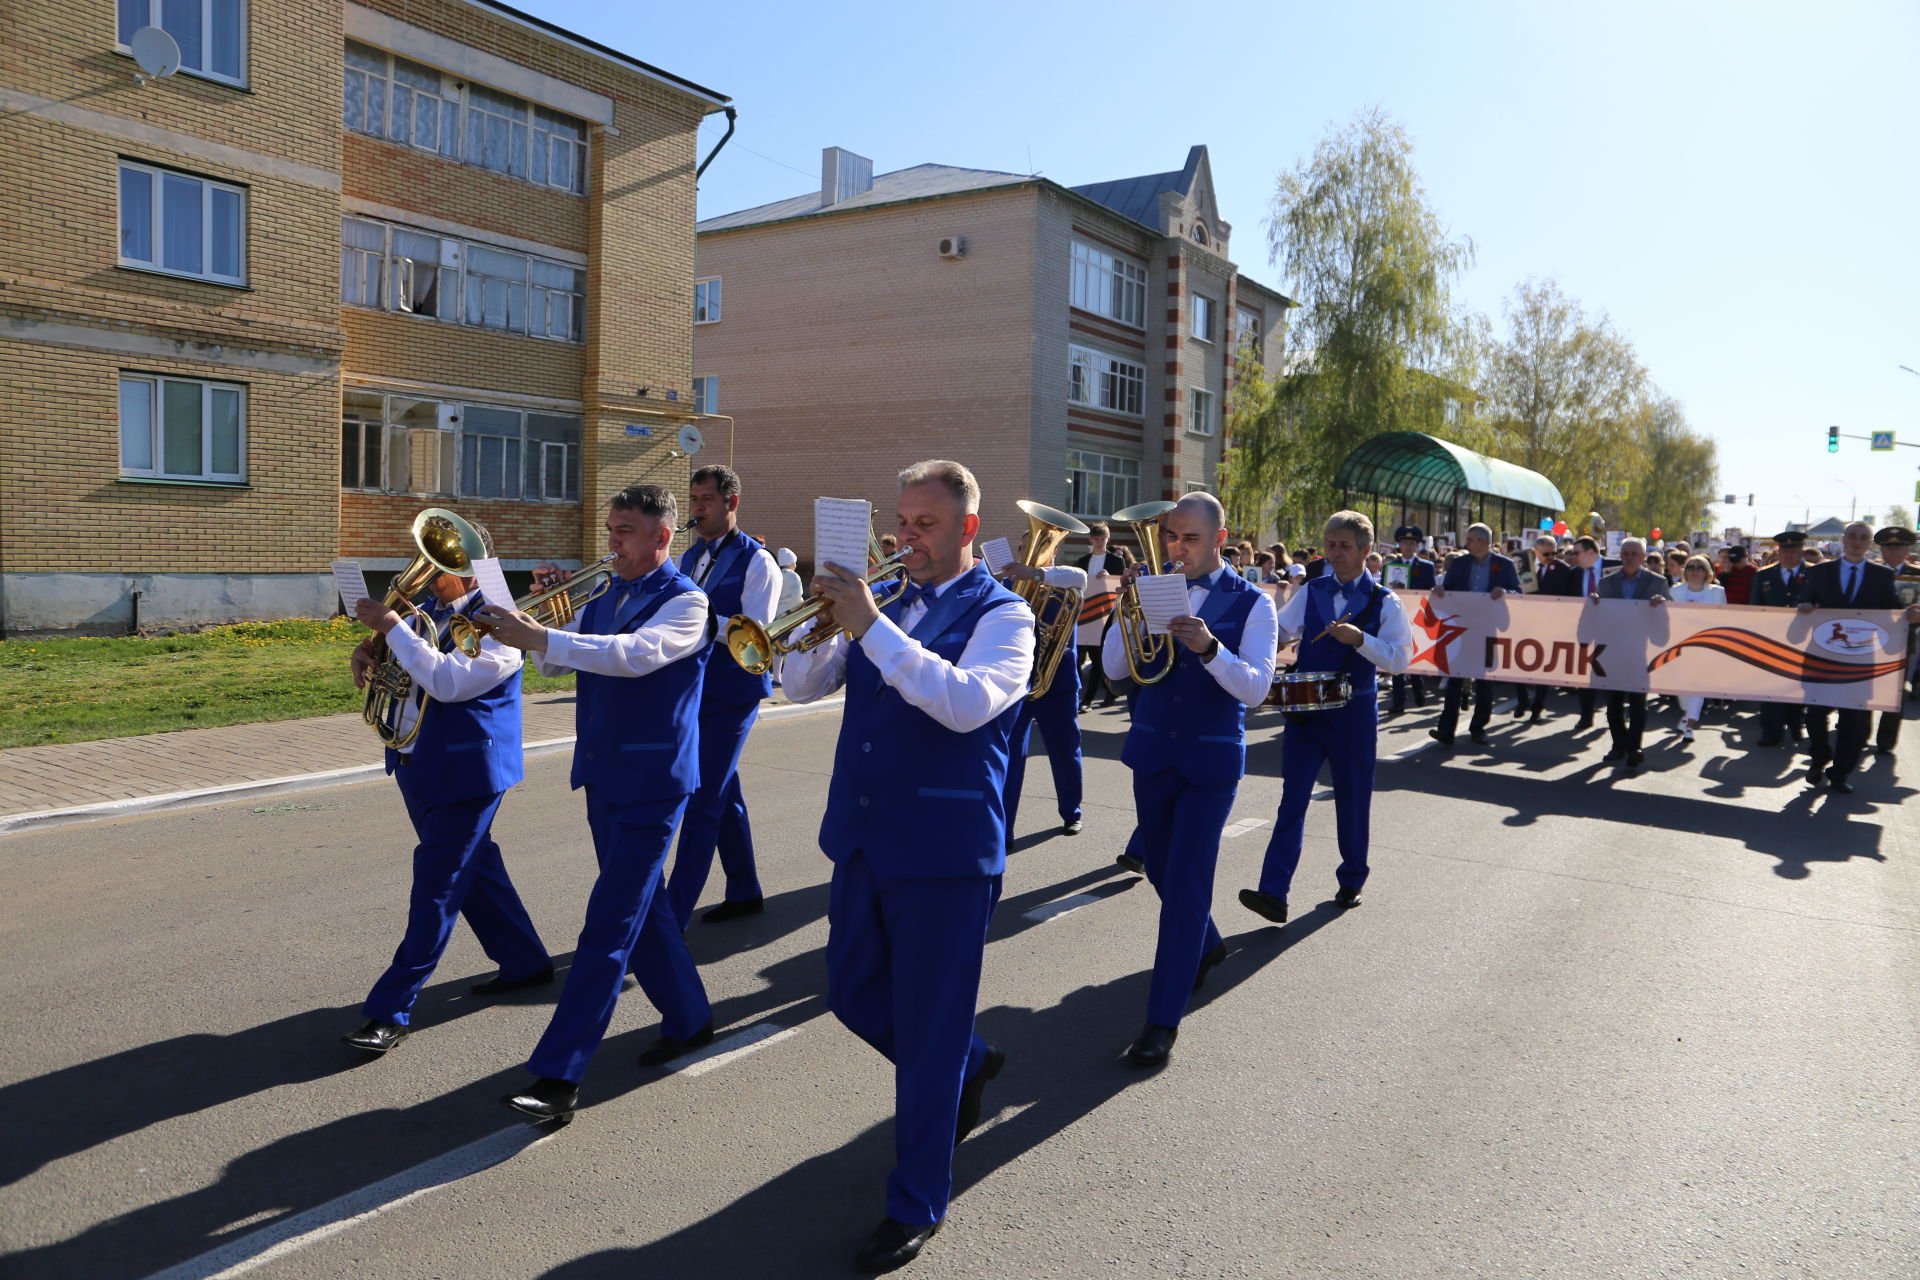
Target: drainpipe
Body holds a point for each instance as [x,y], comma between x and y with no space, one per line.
[733,118]
[133,626]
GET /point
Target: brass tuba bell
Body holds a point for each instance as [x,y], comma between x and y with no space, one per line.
[1056,610]
[444,543]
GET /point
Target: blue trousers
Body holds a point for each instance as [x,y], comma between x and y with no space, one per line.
[628,923]
[1058,716]
[1344,741]
[457,871]
[1178,838]
[716,815]
[903,974]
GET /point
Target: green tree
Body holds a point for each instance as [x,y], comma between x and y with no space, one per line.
[1898,517]
[1372,266]
[1678,475]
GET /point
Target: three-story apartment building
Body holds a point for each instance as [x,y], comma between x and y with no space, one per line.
[349,261]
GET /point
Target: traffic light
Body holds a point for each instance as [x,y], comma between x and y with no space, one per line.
[1833,439]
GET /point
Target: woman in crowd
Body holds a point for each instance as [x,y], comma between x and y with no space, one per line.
[1696,586]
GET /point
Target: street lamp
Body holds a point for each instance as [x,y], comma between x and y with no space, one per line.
[1856,499]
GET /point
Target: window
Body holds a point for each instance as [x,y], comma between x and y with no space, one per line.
[1200,404]
[1199,233]
[183,429]
[706,395]
[1203,317]
[1107,382]
[182,225]
[1246,327]
[706,301]
[1099,484]
[393,268]
[212,34]
[362,435]
[1108,286]
[397,444]
[391,97]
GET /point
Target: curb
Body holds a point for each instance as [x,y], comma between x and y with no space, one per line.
[39,821]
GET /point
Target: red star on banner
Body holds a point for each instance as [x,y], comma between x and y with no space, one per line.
[1439,630]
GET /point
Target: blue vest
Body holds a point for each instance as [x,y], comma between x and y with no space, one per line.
[1187,721]
[640,734]
[917,799]
[728,683]
[1329,654]
[467,749]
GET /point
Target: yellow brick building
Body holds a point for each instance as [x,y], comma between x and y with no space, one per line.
[351,260]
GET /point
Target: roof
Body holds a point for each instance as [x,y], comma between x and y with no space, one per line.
[1139,198]
[594,47]
[922,182]
[1422,468]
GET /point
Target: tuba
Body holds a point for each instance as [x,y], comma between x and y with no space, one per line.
[1145,650]
[755,645]
[444,544]
[1055,609]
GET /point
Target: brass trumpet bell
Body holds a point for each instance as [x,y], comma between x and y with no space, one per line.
[1056,610]
[1147,654]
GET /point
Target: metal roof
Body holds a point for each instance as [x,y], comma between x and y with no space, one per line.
[1422,468]
[1139,198]
[921,182]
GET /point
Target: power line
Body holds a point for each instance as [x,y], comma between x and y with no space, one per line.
[770,160]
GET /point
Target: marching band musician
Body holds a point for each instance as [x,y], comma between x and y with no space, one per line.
[1105,572]
[452,777]
[640,651]
[738,576]
[1347,623]
[915,829]
[1056,712]
[1187,750]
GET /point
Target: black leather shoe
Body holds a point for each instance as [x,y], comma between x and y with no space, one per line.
[1536,716]
[500,983]
[1478,735]
[971,1091]
[1131,863]
[892,1246]
[546,1099]
[1583,724]
[1838,781]
[1816,777]
[666,1048]
[1154,1046]
[1635,759]
[1444,739]
[1210,961]
[1346,899]
[376,1037]
[1519,711]
[1071,827]
[1771,742]
[1264,904]
[733,909]
[1616,756]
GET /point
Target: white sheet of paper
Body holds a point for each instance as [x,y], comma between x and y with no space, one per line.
[352,583]
[493,583]
[998,553]
[1614,538]
[842,532]
[1163,597]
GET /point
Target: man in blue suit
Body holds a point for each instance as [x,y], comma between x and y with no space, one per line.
[915,828]
[1486,571]
[1408,572]
[1056,713]
[639,653]
[1850,582]
[739,576]
[1346,623]
[1187,749]
[452,777]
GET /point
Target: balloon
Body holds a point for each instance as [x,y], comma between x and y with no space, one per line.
[1559,527]
[1656,534]
[1546,524]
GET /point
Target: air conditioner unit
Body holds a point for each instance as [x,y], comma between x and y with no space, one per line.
[953,246]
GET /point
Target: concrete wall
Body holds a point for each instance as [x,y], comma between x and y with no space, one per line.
[102,603]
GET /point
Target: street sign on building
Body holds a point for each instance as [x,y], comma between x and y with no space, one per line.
[1883,442]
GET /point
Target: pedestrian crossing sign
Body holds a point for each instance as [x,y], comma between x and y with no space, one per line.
[1883,442]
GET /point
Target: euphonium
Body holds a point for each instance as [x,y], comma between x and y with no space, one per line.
[446,544]
[755,645]
[1145,650]
[1056,610]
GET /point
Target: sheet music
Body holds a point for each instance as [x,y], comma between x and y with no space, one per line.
[1163,597]
[842,532]
[493,583]
[351,583]
[998,553]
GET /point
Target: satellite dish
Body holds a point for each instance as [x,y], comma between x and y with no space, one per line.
[156,53]
[690,438]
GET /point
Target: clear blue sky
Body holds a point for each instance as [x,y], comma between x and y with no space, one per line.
[1734,185]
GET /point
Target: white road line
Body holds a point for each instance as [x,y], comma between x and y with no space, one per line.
[1243,826]
[1060,907]
[731,1048]
[238,1257]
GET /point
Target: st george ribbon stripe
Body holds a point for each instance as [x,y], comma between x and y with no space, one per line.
[1781,659]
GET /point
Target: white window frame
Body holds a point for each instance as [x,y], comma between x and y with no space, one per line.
[1202,412]
[706,300]
[156,436]
[536,299]
[1248,323]
[1204,313]
[449,441]
[1111,287]
[154,11]
[706,394]
[1106,382]
[156,232]
[1111,484]
[361,428]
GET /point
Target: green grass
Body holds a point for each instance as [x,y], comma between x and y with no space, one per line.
[81,689]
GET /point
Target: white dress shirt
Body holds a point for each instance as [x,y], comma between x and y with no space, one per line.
[449,677]
[1246,675]
[678,628]
[1390,651]
[991,676]
[760,593]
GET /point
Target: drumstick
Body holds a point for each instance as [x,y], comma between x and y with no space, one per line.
[1330,626]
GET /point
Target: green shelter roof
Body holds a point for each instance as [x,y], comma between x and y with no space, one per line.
[1422,468]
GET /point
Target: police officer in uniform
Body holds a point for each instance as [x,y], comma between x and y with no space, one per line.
[1780,586]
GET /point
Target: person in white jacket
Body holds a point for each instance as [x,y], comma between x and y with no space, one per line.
[1696,587]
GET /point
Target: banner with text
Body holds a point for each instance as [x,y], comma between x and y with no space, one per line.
[1830,657]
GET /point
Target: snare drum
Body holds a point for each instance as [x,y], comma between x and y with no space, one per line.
[1309,691]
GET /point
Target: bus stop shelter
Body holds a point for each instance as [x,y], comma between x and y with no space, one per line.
[1407,477]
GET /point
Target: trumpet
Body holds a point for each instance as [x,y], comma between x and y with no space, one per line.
[1145,650]
[755,645]
[1055,609]
[444,544]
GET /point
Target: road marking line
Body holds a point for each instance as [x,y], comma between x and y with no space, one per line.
[1243,826]
[1053,910]
[342,1213]
[731,1048]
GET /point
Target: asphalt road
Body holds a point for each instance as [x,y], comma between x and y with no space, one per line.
[1582,1027]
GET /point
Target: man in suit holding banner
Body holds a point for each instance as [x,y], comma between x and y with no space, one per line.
[1627,711]
[1484,571]
[1896,550]
[1849,582]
